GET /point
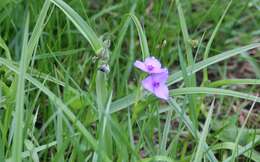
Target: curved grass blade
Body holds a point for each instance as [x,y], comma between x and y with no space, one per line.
[174,78]
[142,37]
[81,25]
[213,91]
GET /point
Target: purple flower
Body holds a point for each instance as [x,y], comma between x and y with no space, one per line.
[150,65]
[156,83]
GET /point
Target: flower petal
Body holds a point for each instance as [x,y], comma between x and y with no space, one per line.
[140,65]
[157,70]
[148,83]
[161,77]
[152,61]
[162,92]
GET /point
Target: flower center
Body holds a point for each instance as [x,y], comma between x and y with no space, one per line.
[156,84]
[150,67]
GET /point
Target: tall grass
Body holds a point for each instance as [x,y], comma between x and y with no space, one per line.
[69,91]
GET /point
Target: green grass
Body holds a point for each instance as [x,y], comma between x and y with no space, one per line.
[57,105]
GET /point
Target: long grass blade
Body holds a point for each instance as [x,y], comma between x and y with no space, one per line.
[174,78]
[200,150]
[226,82]
[20,95]
[214,91]
[37,31]
[207,50]
[142,37]
[83,27]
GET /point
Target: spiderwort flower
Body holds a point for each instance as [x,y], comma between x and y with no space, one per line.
[156,81]
[150,65]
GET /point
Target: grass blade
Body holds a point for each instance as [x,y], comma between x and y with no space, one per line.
[190,79]
[185,33]
[166,130]
[212,60]
[200,150]
[224,82]
[37,31]
[235,148]
[188,83]
[207,50]
[20,95]
[142,37]
[81,25]
[214,91]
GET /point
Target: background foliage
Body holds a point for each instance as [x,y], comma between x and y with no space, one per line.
[56,104]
